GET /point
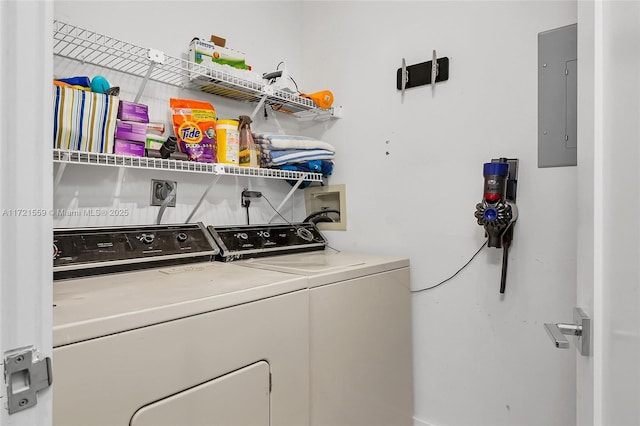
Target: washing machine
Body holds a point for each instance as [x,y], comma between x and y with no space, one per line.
[359,320]
[148,330]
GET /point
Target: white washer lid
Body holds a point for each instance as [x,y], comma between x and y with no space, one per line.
[325,267]
[90,307]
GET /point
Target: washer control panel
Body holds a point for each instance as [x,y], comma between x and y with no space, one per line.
[246,241]
[86,248]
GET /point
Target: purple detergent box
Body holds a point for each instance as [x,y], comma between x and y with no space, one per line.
[123,147]
[130,111]
[131,130]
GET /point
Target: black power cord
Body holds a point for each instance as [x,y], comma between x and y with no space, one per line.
[291,224]
[321,216]
[456,273]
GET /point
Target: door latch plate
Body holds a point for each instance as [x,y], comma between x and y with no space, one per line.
[582,341]
[24,378]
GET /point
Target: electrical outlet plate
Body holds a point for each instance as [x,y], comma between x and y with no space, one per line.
[159,191]
[318,198]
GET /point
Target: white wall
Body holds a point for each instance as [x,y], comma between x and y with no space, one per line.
[480,359]
[620,230]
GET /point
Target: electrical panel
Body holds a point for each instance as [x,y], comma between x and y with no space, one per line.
[558,97]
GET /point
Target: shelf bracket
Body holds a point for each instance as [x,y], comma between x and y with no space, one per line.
[293,188]
[199,203]
[116,194]
[59,174]
[155,57]
[258,107]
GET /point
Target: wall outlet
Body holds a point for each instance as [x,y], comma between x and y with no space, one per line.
[160,190]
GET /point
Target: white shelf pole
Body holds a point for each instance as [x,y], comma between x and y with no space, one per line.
[155,57]
[298,183]
[257,108]
[144,83]
[206,191]
[59,173]
[121,171]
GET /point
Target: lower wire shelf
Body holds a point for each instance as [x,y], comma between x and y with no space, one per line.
[115,160]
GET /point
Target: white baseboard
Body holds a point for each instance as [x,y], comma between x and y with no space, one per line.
[418,422]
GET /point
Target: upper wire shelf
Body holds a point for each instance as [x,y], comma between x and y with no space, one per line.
[97,49]
[116,160]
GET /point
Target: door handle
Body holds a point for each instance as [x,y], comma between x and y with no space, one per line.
[581,331]
[557,332]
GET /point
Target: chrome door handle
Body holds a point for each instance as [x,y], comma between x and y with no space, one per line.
[557,332]
[581,330]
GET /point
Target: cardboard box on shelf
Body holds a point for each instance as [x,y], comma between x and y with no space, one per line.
[218,41]
[125,147]
[203,52]
[130,111]
[131,130]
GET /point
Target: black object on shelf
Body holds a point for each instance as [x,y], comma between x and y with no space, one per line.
[169,147]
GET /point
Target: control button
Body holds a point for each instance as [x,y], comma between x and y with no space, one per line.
[55,251]
[264,234]
[305,234]
[182,237]
[243,236]
[147,238]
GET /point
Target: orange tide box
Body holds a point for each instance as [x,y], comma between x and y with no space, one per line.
[194,124]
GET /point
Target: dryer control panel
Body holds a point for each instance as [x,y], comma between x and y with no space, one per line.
[88,251]
[247,241]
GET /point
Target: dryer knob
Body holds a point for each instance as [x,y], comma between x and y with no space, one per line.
[182,237]
[305,234]
[147,238]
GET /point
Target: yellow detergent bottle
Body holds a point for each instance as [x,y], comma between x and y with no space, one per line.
[249,155]
[228,140]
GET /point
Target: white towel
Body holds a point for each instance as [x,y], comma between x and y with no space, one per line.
[277,142]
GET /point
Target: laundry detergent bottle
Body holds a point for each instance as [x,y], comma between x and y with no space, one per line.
[249,155]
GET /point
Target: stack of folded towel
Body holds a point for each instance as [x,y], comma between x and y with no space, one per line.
[298,153]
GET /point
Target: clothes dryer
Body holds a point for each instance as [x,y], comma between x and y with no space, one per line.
[360,320]
[148,331]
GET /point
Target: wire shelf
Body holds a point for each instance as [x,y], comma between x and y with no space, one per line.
[97,49]
[270,173]
[116,160]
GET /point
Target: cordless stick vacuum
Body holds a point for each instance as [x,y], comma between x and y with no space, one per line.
[498,212]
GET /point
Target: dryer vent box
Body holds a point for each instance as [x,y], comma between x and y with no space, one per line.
[332,197]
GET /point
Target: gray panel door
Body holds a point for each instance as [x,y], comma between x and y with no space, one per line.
[557,97]
[571,109]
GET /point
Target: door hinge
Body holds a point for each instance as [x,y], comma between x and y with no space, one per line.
[24,377]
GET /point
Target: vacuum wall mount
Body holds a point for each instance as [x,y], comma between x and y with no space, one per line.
[497,212]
